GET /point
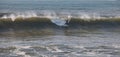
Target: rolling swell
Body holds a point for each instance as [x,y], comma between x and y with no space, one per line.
[35,22]
[30,22]
[97,23]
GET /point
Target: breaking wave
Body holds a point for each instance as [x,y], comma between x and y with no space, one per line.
[60,14]
[51,18]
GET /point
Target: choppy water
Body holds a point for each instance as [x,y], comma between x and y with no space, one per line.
[65,28]
[60,43]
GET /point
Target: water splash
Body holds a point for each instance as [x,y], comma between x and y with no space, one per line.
[59,21]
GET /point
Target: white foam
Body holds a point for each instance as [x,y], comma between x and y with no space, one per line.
[24,47]
[5,17]
[57,17]
[18,52]
[54,49]
[91,53]
[85,16]
[14,16]
[59,21]
[116,46]
[82,47]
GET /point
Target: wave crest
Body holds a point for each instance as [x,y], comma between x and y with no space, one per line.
[59,18]
[53,14]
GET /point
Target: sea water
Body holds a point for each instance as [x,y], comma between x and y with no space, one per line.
[59,28]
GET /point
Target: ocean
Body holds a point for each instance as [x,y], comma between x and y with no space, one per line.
[59,28]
